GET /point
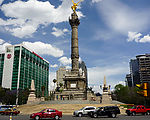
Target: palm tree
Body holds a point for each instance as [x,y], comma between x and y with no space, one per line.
[54,81]
[60,84]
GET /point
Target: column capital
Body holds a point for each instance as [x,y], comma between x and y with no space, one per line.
[74,21]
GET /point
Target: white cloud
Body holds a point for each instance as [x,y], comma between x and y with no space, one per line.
[1,1]
[54,66]
[1,41]
[58,32]
[68,67]
[3,44]
[96,75]
[122,18]
[65,60]
[43,48]
[95,1]
[137,37]
[25,31]
[145,39]
[26,17]
[134,36]
[52,76]
[80,60]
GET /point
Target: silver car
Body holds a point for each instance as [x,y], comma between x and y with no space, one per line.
[84,111]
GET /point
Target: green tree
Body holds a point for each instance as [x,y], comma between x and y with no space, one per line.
[60,84]
[2,93]
[128,95]
[23,96]
[54,81]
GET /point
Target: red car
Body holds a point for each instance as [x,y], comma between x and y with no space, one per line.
[138,109]
[47,113]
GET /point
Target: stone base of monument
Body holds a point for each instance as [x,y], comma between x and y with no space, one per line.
[35,101]
[32,98]
[74,87]
[70,95]
[106,98]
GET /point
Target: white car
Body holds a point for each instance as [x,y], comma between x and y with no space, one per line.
[84,111]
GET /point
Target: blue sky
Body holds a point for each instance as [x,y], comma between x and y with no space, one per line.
[111,32]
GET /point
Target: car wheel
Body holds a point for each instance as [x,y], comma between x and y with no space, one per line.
[133,113]
[143,113]
[2,113]
[80,114]
[113,115]
[37,117]
[56,117]
[148,113]
[95,115]
[128,114]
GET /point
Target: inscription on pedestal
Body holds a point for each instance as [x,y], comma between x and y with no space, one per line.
[73,85]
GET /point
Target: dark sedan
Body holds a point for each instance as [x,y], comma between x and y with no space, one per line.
[110,111]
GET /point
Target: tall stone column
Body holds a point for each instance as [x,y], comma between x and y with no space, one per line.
[74,22]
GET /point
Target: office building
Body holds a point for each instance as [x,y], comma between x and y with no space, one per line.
[1,67]
[128,80]
[21,66]
[144,67]
[60,73]
[134,72]
[83,71]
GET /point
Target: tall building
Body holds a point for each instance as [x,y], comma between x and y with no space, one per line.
[60,73]
[1,67]
[21,66]
[144,67]
[128,80]
[134,71]
[83,68]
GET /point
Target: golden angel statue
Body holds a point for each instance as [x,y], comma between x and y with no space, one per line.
[74,7]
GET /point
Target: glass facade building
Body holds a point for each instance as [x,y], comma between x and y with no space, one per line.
[1,67]
[21,66]
[144,67]
[134,71]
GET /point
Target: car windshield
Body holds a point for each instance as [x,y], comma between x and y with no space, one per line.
[82,108]
[100,108]
[42,110]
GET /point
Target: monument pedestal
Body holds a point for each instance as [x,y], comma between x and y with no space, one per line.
[74,88]
[32,97]
[106,98]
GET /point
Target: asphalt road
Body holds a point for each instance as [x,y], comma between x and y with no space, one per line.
[69,117]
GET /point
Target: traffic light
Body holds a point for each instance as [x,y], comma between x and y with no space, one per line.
[143,89]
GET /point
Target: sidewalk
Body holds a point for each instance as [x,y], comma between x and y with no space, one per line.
[67,107]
